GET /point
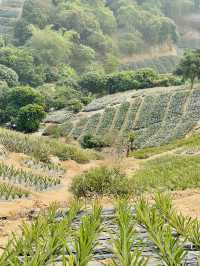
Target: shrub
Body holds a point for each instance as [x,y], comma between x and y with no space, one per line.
[8,75]
[75,105]
[145,77]
[93,82]
[168,80]
[91,142]
[100,181]
[121,81]
[29,117]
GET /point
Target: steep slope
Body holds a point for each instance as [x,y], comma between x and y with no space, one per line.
[10,11]
[157,115]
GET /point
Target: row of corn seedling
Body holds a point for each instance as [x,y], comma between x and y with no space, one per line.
[19,176]
[10,192]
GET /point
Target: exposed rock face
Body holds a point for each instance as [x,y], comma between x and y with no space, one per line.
[10,11]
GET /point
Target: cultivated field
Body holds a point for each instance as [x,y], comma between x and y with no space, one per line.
[157,116]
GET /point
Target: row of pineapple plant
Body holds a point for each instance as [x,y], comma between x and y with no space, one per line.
[165,115]
[51,168]
[26,178]
[41,148]
[50,239]
[10,192]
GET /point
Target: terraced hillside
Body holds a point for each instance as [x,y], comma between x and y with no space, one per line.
[10,11]
[156,115]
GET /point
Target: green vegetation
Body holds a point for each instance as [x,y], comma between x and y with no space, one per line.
[186,144]
[49,240]
[41,148]
[171,172]
[92,142]
[122,244]
[19,176]
[40,240]
[100,181]
[156,117]
[10,192]
[189,67]
[126,80]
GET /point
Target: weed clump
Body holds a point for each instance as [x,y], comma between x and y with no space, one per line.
[101,181]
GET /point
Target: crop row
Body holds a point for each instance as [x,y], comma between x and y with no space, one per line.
[79,127]
[41,148]
[50,168]
[92,124]
[149,232]
[19,176]
[156,120]
[121,116]
[106,121]
[10,192]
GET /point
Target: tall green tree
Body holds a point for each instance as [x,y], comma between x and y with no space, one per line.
[189,66]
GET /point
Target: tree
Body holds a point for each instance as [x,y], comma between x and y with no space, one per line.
[8,75]
[21,96]
[22,62]
[93,82]
[189,66]
[50,47]
[29,118]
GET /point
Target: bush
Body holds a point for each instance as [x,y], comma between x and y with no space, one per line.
[100,181]
[8,75]
[75,105]
[121,81]
[93,82]
[29,118]
[168,80]
[145,77]
[92,142]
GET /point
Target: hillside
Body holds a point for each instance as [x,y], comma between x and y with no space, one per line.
[156,115]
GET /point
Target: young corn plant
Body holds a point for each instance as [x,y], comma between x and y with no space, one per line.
[86,237]
[123,244]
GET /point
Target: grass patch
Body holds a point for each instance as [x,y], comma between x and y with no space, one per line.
[170,172]
[192,141]
[41,148]
[100,181]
